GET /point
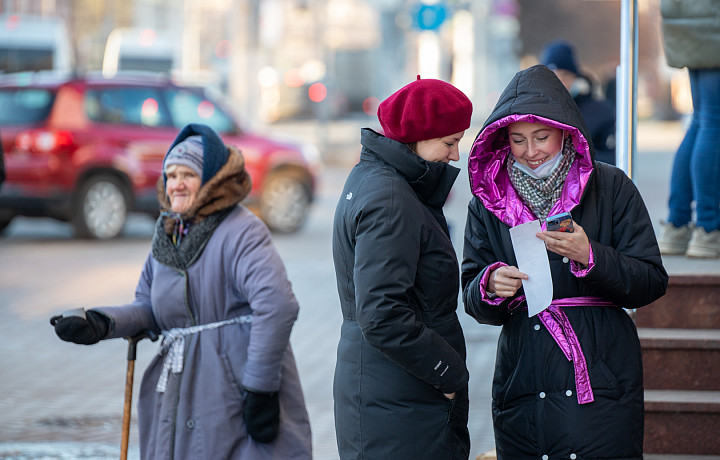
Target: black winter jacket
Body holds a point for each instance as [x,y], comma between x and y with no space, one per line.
[401,345]
[535,407]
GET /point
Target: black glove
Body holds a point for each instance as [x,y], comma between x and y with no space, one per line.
[262,415]
[86,331]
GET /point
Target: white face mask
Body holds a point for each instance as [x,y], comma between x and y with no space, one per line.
[545,169]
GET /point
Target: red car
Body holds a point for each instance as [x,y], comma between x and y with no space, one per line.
[88,150]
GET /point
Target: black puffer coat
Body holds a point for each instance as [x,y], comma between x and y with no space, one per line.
[535,406]
[401,345]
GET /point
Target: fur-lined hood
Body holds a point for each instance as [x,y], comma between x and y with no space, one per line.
[228,187]
[534,95]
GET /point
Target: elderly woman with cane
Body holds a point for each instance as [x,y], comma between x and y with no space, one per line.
[224,384]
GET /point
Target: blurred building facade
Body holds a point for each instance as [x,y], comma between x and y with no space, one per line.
[327,58]
[593,27]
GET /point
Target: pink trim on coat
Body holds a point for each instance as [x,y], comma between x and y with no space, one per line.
[490,182]
[578,270]
[483,284]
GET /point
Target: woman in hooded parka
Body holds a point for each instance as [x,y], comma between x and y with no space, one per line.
[568,381]
[224,385]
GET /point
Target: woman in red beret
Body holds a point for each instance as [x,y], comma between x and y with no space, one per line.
[400,388]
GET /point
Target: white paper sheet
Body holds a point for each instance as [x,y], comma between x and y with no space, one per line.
[533,260]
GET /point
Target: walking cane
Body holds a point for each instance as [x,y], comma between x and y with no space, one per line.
[132,348]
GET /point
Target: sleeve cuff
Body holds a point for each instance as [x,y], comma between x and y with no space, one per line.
[261,378]
[487,297]
[581,271]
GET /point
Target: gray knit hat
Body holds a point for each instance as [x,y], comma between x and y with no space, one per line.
[214,155]
[188,153]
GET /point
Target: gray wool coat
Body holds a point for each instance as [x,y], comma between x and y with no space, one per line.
[200,414]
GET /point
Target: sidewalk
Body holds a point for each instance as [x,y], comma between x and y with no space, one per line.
[62,451]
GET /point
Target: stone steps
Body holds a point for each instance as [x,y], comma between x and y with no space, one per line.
[691,302]
[682,422]
[680,457]
[681,359]
[680,338]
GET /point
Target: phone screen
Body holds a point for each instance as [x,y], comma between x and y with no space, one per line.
[560,223]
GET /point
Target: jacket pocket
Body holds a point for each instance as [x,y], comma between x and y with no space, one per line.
[511,390]
[604,382]
[233,380]
[450,405]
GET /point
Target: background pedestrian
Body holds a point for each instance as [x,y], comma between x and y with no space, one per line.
[598,115]
[691,38]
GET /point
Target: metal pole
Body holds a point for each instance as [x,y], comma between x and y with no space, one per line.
[626,115]
[482,72]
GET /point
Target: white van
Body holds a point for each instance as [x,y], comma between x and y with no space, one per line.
[31,43]
[139,50]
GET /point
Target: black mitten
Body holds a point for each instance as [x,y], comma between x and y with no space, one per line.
[262,415]
[86,331]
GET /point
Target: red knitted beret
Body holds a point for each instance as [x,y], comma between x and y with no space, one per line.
[424,109]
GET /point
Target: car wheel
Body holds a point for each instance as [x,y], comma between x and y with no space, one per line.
[284,202]
[101,208]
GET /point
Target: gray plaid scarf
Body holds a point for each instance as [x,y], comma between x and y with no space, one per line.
[541,194]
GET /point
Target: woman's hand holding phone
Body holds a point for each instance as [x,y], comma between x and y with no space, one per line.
[574,245]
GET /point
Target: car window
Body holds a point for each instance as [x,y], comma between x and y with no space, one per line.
[21,59]
[132,106]
[26,105]
[189,107]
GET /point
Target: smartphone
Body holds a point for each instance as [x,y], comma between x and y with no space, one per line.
[560,223]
